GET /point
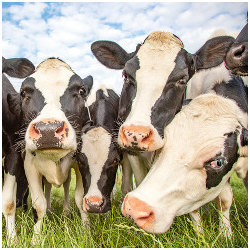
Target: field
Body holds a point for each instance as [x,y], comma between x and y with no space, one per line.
[114,230]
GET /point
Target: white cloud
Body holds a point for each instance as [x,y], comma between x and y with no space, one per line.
[66,30]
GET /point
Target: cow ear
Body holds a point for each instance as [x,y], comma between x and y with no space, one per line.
[110,54]
[14,103]
[213,52]
[88,83]
[17,67]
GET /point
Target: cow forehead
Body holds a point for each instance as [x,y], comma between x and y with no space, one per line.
[96,142]
[201,127]
[156,59]
[52,79]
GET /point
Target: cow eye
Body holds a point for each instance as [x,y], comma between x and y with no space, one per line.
[22,93]
[217,164]
[82,92]
[181,81]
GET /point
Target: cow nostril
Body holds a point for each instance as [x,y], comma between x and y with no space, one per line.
[60,129]
[239,51]
[147,136]
[36,131]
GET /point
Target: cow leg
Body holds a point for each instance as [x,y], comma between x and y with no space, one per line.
[196,219]
[66,203]
[9,206]
[138,167]
[79,193]
[39,202]
[47,187]
[224,202]
[245,181]
[127,176]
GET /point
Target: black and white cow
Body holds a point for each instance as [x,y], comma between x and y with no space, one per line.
[155,78]
[204,141]
[100,154]
[237,57]
[51,105]
[15,186]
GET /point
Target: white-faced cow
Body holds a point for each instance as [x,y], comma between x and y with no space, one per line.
[204,141]
[51,106]
[15,186]
[237,57]
[155,78]
[100,154]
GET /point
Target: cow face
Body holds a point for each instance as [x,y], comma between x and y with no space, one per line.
[237,57]
[51,105]
[155,78]
[204,141]
[98,164]
[100,154]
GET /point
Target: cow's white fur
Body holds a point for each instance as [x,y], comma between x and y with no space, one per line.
[157,60]
[176,184]
[203,81]
[9,206]
[95,145]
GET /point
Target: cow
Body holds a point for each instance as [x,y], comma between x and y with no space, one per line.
[237,57]
[155,78]
[99,154]
[204,141]
[15,186]
[51,106]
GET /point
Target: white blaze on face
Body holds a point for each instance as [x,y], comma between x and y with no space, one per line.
[52,78]
[176,183]
[96,143]
[157,60]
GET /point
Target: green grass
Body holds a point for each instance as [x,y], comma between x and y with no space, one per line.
[114,230]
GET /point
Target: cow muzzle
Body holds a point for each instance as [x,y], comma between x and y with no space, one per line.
[96,204]
[138,138]
[237,58]
[139,211]
[48,133]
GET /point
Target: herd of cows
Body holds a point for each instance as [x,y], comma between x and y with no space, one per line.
[179,129]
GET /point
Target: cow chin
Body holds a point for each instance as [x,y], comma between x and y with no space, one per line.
[53,154]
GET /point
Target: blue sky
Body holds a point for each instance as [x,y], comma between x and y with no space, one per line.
[66,30]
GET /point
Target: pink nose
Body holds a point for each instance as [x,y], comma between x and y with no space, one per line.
[140,137]
[139,211]
[92,202]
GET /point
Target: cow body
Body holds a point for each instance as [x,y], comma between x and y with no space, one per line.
[205,140]
[51,106]
[15,186]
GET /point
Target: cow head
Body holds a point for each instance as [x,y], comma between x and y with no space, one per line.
[237,57]
[155,78]
[51,104]
[204,141]
[100,154]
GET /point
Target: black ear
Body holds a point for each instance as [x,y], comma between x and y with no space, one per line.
[244,137]
[88,83]
[14,103]
[17,67]
[110,54]
[213,52]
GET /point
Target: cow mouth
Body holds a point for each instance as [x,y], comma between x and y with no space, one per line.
[53,154]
